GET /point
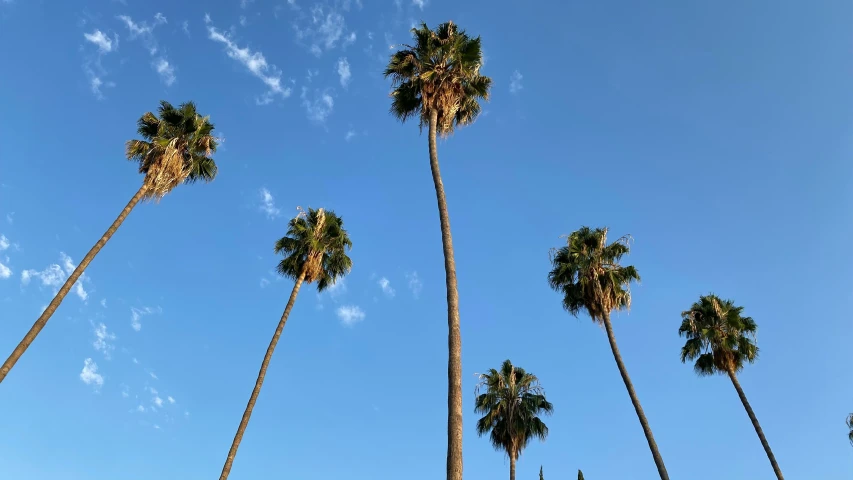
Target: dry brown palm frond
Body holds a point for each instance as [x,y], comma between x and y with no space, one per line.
[166,171]
[314,262]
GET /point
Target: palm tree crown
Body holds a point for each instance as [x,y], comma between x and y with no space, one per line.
[511,404]
[587,272]
[439,74]
[176,148]
[315,245]
[850,426]
[719,338]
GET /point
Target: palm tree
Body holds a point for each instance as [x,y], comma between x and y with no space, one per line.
[587,273]
[850,426]
[580,475]
[314,250]
[438,81]
[721,340]
[541,475]
[176,148]
[511,405]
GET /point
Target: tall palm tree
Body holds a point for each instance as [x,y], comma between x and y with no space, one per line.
[438,81]
[580,475]
[721,340]
[176,148]
[511,404]
[587,273]
[314,250]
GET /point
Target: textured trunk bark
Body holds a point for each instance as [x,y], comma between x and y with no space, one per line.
[454,337]
[634,400]
[226,469]
[757,427]
[512,460]
[66,287]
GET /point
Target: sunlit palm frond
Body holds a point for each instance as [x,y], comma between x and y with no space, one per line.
[511,403]
[439,73]
[319,234]
[586,271]
[177,148]
[718,335]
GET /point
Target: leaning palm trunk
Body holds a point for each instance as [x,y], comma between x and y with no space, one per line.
[244,422]
[66,287]
[755,424]
[454,338]
[634,400]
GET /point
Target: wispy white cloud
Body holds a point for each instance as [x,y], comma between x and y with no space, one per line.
[104,302]
[257,65]
[157,401]
[349,135]
[54,276]
[4,243]
[89,375]
[136,315]
[10,218]
[268,204]
[264,282]
[153,375]
[105,44]
[243,21]
[350,315]
[171,400]
[245,3]
[385,285]
[515,79]
[5,272]
[325,28]
[103,340]
[145,32]
[165,70]
[186,27]
[92,65]
[140,409]
[420,3]
[344,71]
[415,284]
[319,107]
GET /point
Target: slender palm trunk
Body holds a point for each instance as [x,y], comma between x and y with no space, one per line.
[226,469]
[512,460]
[634,400]
[755,424]
[454,338]
[75,275]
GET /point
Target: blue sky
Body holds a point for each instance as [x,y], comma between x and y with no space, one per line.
[719,136]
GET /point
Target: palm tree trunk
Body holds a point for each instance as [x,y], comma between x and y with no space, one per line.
[634,400]
[512,460]
[454,338]
[755,424]
[75,275]
[226,469]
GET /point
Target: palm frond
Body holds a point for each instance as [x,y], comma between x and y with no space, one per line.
[512,402]
[177,148]
[718,335]
[586,271]
[439,73]
[320,235]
